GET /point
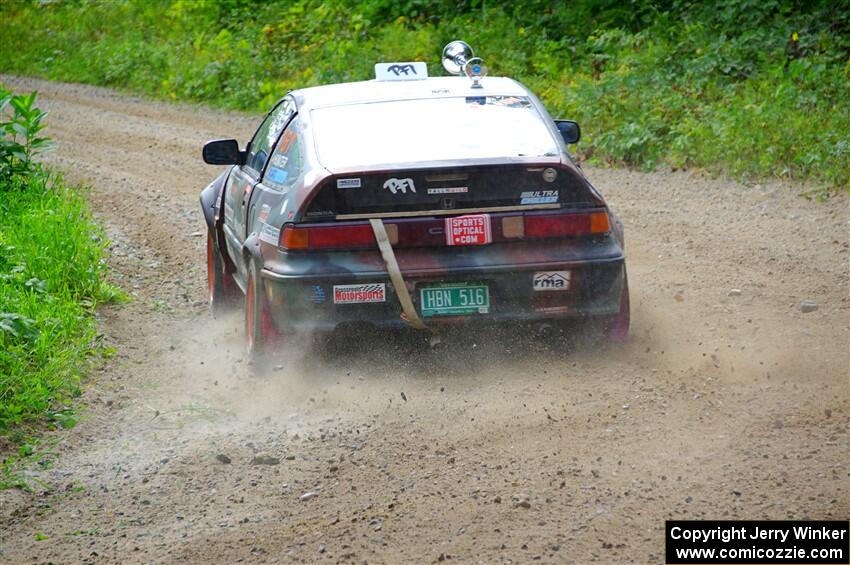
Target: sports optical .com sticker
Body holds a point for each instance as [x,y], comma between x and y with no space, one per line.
[551,280]
[360,293]
[468,230]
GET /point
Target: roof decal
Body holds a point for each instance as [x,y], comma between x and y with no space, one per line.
[401,71]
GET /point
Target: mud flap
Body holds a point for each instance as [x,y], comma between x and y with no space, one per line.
[397,279]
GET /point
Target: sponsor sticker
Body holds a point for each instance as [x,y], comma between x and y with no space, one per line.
[551,280]
[317,294]
[276,175]
[319,213]
[360,293]
[539,197]
[270,234]
[264,213]
[287,140]
[395,185]
[401,71]
[449,190]
[473,229]
[348,183]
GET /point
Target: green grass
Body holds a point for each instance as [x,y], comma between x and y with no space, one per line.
[748,88]
[51,278]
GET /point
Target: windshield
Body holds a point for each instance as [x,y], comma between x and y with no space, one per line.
[472,127]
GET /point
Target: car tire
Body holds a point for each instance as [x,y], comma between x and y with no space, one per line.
[221,288]
[261,338]
[617,327]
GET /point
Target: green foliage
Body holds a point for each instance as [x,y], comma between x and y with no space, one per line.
[51,277]
[742,87]
[20,123]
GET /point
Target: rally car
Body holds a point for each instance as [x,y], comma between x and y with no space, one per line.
[410,201]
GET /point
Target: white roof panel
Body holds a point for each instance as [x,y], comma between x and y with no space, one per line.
[380,91]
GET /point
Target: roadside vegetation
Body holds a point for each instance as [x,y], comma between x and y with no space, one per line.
[748,88]
[51,278]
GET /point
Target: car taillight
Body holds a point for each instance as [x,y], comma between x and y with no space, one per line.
[566,225]
[416,232]
[350,236]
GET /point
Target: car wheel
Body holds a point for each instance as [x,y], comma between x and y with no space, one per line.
[260,334]
[221,288]
[617,328]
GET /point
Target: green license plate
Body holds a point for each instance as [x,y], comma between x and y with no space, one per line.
[454,299]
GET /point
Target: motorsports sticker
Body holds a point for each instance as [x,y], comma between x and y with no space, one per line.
[360,293]
[695,542]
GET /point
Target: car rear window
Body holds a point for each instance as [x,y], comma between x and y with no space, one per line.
[407,131]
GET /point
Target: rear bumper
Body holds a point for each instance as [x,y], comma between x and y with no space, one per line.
[305,301]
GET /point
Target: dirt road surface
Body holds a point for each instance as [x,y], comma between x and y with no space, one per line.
[728,402]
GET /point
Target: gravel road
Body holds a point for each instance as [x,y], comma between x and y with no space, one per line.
[728,402]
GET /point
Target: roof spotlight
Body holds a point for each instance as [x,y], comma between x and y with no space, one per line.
[458,59]
[455,56]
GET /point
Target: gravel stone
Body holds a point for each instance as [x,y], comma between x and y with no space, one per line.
[262,459]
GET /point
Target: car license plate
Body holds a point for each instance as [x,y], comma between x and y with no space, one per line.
[454,299]
[472,229]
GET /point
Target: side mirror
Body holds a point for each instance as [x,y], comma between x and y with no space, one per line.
[569,130]
[223,152]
